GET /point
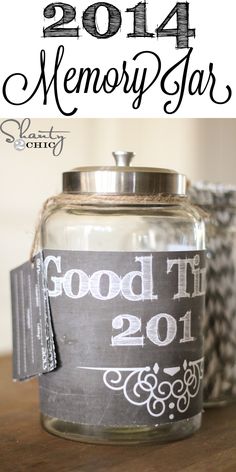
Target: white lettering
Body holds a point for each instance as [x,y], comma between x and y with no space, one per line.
[83,283]
[187,327]
[113,287]
[56,280]
[125,339]
[198,274]
[93,284]
[136,285]
[145,275]
[153,332]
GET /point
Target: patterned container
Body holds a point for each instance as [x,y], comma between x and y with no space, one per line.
[220,320]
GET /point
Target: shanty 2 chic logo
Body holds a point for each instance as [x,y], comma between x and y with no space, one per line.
[21,136]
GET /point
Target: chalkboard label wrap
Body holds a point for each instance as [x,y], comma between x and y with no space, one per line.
[128,335]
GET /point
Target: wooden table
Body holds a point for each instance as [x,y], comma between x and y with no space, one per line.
[24,446]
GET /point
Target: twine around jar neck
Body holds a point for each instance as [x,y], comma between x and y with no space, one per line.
[67,201]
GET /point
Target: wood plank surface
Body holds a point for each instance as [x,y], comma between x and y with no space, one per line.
[24,446]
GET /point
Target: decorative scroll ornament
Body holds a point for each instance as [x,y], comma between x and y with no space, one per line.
[141,386]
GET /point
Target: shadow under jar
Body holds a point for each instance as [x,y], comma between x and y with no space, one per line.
[124,260]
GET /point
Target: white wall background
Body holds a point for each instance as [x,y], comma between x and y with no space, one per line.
[202,149]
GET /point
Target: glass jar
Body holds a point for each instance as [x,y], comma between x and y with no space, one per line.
[219,201]
[122,356]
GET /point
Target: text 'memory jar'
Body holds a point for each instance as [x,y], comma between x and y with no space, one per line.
[124,260]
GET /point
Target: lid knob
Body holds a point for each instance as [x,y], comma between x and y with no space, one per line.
[123,158]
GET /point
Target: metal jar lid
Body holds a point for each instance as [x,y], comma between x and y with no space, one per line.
[123,179]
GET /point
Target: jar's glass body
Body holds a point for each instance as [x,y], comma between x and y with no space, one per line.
[162,227]
[220,317]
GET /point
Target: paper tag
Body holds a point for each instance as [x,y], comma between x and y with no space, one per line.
[33,344]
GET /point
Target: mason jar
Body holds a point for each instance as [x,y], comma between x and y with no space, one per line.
[124,262]
[219,202]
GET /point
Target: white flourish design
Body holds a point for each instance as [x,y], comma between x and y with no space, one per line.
[141,386]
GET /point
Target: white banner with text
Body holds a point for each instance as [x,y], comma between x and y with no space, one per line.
[122,58]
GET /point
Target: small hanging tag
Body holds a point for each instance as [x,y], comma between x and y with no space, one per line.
[33,343]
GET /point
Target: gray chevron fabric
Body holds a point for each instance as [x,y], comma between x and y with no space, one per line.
[220,315]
